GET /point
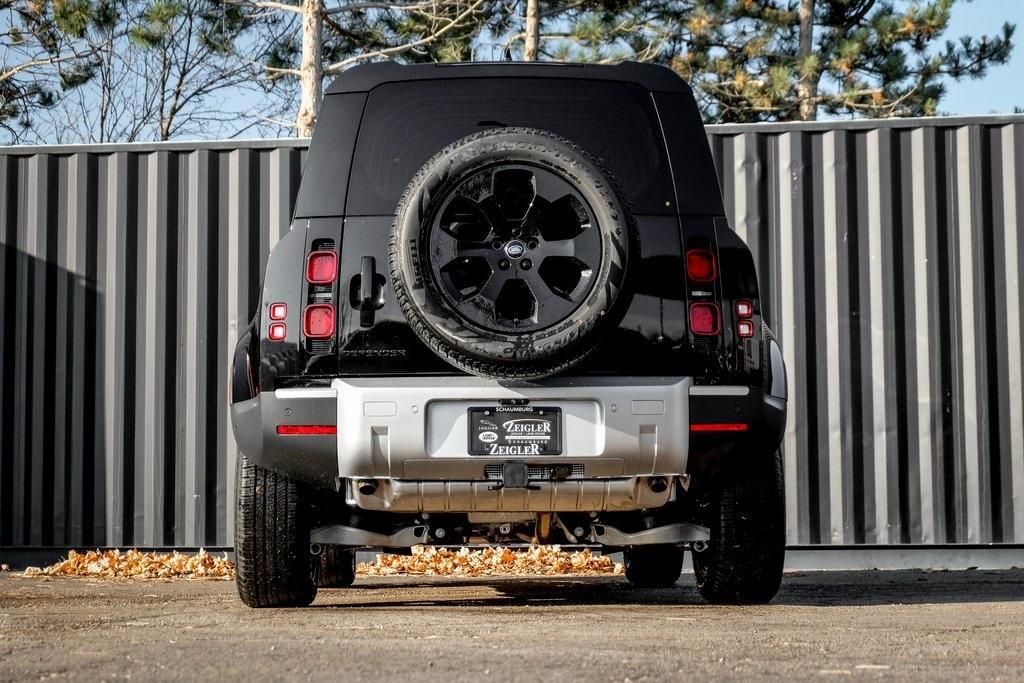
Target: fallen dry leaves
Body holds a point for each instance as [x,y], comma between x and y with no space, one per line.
[538,559]
[546,560]
[114,564]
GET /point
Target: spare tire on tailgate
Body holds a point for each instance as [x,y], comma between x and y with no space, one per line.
[509,252]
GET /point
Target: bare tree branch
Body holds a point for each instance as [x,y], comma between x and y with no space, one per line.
[398,49]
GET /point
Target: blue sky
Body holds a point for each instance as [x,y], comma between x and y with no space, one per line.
[1000,91]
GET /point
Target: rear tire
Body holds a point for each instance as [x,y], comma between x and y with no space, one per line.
[744,560]
[650,566]
[336,567]
[272,560]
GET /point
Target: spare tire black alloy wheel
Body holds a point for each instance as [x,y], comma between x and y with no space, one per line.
[509,251]
[514,248]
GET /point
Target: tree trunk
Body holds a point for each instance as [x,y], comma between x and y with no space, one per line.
[532,31]
[807,85]
[311,67]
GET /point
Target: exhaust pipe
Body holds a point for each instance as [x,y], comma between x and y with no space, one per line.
[367,487]
[657,484]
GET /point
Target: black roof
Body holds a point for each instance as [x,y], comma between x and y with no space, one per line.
[365,77]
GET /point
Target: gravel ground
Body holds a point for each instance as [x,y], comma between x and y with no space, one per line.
[907,624]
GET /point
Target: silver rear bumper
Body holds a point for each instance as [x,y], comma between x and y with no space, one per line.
[409,435]
[416,428]
[402,442]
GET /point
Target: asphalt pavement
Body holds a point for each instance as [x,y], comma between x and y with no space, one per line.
[869,624]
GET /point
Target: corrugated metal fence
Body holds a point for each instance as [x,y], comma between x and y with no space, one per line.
[890,256]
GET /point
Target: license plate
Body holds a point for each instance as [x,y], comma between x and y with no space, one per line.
[515,430]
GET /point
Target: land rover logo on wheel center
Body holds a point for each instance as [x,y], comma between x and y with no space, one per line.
[515,249]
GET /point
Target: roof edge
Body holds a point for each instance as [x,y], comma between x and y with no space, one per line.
[365,77]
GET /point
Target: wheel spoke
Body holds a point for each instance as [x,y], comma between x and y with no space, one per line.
[478,250]
[558,248]
[492,288]
[551,306]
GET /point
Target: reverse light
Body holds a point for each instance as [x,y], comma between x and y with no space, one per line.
[744,308]
[745,328]
[720,427]
[705,318]
[318,321]
[278,311]
[300,430]
[277,332]
[700,265]
[321,267]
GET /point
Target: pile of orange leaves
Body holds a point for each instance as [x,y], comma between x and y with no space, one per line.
[544,560]
[115,564]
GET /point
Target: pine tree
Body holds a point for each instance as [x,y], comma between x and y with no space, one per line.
[45,51]
[762,60]
[758,60]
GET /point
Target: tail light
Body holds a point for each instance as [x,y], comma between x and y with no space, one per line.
[744,311]
[278,311]
[321,267]
[700,265]
[306,430]
[277,332]
[719,427]
[705,318]
[318,321]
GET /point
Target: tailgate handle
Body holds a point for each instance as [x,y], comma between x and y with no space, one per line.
[367,296]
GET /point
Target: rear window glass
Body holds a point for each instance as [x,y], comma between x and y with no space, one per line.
[404,124]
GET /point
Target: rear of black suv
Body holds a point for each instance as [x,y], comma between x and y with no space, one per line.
[509,308]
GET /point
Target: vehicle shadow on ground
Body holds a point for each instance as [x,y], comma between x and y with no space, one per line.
[825,589]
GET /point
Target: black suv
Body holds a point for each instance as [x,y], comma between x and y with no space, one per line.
[510,308]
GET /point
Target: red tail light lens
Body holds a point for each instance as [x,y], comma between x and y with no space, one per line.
[318,321]
[700,265]
[321,267]
[719,427]
[278,311]
[705,319]
[277,332]
[298,430]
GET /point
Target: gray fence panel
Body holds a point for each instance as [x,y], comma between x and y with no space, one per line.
[890,255]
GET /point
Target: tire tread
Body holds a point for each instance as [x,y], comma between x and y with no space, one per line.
[743,564]
[272,566]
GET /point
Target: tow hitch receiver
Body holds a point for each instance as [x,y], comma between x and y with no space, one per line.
[514,475]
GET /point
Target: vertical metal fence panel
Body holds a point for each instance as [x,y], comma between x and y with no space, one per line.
[890,255]
[893,256]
